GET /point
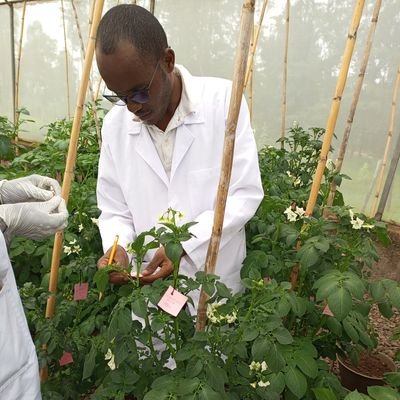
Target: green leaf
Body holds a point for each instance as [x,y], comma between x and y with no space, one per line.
[194,368]
[174,251]
[207,393]
[260,348]
[274,358]
[350,330]
[340,303]
[377,290]
[381,392]
[6,148]
[296,382]
[357,396]
[139,307]
[216,377]
[393,378]
[89,364]
[283,336]
[309,256]
[101,279]
[306,363]
[394,296]
[385,309]
[157,394]
[250,334]
[324,394]
[355,285]
[334,326]
[326,289]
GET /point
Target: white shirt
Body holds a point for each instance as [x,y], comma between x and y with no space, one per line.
[164,141]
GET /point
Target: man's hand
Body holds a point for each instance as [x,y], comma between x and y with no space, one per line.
[120,258]
[29,188]
[161,261]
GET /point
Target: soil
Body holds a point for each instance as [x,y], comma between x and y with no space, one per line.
[370,365]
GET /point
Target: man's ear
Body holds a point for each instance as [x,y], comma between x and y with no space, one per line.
[169,59]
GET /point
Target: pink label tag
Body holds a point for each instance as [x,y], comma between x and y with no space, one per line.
[81,291]
[66,359]
[172,301]
[327,311]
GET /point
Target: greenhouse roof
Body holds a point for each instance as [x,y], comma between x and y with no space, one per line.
[11,2]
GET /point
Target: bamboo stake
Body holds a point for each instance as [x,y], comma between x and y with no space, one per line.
[335,106]
[152,6]
[250,62]
[356,96]
[389,180]
[71,157]
[371,186]
[387,146]
[17,113]
[285,74]
[66,59]
[251,76]
[12,47]
[91,91]
[229,145]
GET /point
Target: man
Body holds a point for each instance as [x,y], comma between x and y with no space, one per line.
[30,207]
[162,147]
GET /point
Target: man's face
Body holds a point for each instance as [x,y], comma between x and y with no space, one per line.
[126,73]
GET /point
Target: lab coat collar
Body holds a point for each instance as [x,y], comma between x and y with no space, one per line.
[193,90]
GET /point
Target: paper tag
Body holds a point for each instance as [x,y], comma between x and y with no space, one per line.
[81,291]
[327,311]
[172,302]
[66,359]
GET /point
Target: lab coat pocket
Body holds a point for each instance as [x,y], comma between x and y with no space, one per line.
[203,185]
[15,341]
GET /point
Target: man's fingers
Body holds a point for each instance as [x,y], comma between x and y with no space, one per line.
[163,272]
[118,278]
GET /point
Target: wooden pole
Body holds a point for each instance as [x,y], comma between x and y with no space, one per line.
[251,76]
[91,91]
[12,47]
[66,60]
[335,106]
[389,180]
[250,63]
[71,157]
[371,186]
[229,145]
[17,79]
[285,74]
[152,6]
[387,146]
[356,96]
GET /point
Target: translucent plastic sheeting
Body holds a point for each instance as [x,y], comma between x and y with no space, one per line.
[204,35]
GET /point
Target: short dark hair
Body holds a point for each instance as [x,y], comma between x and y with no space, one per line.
[134,24]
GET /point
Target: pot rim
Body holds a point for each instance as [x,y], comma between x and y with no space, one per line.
[382,355]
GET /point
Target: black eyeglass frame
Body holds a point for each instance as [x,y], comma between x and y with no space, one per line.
[138,96]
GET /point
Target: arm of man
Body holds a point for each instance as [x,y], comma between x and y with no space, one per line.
[244,196]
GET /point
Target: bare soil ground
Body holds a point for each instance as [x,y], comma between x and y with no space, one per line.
[387,267]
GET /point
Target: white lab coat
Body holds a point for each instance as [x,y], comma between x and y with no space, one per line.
[19,373]
[134,191]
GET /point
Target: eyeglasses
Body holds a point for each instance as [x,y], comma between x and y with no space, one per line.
[138,96]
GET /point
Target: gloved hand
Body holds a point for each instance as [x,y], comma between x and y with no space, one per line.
[29,188]
[35,220]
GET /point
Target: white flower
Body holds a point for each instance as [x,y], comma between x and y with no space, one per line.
[290,214]
[300,211]
[264,366]
[368,226]
[255,366]
[80,228]
[212,314]
[297,182]
[73,242]
[357,223]
[351,213]
[254,384]
[231,318]
[110,356]
[330,164]
[77,249]
[67,250]
[288,174]
[95,221]
[264,384]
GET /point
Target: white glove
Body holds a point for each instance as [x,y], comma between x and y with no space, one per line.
[35,220]
[29,188]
